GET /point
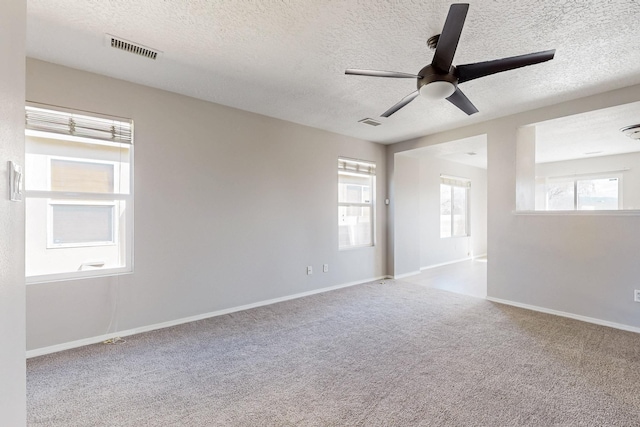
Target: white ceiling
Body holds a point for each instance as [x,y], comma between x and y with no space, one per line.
[286,59]
[470,151]
[593,134]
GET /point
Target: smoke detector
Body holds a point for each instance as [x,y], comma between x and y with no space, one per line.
[131,47]
[632,131]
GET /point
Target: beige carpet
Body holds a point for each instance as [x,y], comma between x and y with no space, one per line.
[379,354]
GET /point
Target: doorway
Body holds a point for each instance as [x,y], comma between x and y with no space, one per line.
[443,195]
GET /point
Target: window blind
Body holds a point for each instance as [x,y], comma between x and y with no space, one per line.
[79,125]
[356,166]
[455,181]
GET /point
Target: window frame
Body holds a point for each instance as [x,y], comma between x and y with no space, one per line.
[455,182]
[50,226]
[86,202]
[573,179]
[370,174]
[52,158]
[123,237]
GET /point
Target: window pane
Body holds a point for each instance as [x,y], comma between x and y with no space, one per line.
[82,224]
[598,194]
[459,211]
[354,226]
[445,210]
[560,196]
[354,193]
[72,166]
[75,176]
[354,189]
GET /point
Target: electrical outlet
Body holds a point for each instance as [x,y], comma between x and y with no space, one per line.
[325,268]
[636,295]
[309,270]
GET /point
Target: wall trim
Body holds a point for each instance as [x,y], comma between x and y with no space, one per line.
[100,338]
[402,276]
[620,212]
[455,261]
[569,315]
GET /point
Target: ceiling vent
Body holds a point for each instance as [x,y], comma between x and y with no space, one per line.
[370,122]
[632,131]
[131,47]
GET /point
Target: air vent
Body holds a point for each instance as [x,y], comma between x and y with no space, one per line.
[632,131]
[131,47]
[370,122]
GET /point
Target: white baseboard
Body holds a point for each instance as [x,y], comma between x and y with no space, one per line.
[98,339]
[455,261]
[402,276]
[569,315]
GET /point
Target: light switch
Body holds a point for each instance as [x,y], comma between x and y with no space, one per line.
[15,182]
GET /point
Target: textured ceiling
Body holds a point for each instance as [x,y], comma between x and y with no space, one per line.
[286,59]
[593,134]
[470,151]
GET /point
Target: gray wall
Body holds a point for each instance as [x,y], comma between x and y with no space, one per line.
[12,290]
[230,208]
[584,265]
[406,204]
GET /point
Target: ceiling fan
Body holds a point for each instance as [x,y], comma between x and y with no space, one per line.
[440,79]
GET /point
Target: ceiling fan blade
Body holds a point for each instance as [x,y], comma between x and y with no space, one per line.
[461,101]
[467,72]
[404,101]
[376,73]
[448,41]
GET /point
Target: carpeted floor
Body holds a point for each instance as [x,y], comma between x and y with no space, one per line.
[381,354]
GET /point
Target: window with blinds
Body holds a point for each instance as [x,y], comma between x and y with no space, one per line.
[78,193]
[356,209]
[454,206]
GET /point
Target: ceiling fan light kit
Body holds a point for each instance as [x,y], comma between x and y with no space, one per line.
[437,90]
[440,79]
[632,131]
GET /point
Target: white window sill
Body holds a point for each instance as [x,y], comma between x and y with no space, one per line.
[353,248]
[76,275]
[626,212]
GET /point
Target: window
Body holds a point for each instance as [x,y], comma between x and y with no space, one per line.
[584,193]
[356,189]
[454,207]
[78,192]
